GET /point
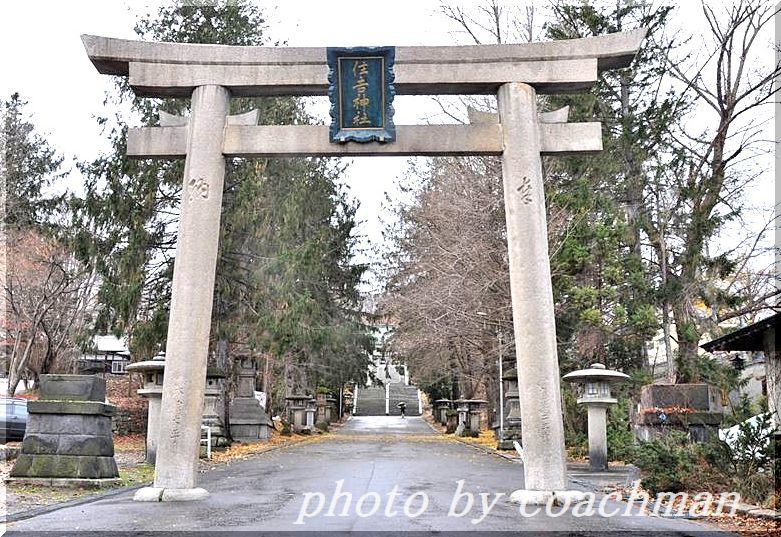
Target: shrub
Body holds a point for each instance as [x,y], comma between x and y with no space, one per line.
[286,431]
[621,444]
[667,464]
[745,463]
[322,426]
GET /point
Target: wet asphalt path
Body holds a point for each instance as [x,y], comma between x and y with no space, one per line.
[380,464]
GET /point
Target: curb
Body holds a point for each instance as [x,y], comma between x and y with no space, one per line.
[30,513]
[755,511]
[488,450]
[214,465]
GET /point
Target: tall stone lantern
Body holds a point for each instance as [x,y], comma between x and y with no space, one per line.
[152,389]
[594,386]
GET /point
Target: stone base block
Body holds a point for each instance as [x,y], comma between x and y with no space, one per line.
[159,494]
[72,388]
[68,444]
[543,497]
[78,424]
[71,408]
[65,482]
[65,466]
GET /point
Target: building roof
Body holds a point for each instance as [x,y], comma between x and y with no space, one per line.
[110,343]
[748,338]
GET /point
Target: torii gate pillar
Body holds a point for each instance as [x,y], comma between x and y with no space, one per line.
[532,294]
[192,295]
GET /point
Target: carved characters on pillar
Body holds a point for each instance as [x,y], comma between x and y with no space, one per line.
[176,429]
[525,190]
[198,188]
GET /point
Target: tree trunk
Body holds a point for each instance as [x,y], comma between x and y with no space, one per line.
[688,340]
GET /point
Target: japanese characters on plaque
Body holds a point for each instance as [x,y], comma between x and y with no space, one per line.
[361,93]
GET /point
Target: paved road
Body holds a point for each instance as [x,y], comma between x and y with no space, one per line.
[382,463]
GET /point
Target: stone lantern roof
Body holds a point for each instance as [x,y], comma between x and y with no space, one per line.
[595,373]
[597,380]
[155,364]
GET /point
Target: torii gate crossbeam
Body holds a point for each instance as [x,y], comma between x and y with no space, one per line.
[211,74]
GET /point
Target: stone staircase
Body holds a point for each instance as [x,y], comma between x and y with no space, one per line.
[371,401]
[408,394]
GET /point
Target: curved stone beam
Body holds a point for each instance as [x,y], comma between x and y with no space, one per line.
[174,69]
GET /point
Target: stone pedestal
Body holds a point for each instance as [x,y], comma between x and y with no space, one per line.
[310,419]
[68,438]
[692,408]
[451,423]
[462,407]
[322,408]
[597,437]
[248,420]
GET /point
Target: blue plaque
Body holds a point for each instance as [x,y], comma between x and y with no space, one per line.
[360,86]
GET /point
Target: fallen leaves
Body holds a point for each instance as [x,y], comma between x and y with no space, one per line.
[239,451]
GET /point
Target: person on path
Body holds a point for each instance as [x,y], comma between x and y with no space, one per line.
[403,408]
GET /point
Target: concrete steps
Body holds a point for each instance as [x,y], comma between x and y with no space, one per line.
[371,401]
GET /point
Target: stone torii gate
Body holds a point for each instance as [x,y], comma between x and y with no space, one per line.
[211,74]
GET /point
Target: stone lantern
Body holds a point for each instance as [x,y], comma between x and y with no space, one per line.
[332,410]
[511,431]
[442,406]
[311,410]
[322,408]
[296,412]
[152,389]
[214,407]
[594,384]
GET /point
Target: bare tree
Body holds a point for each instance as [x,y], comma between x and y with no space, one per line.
[47,296]
[698,187]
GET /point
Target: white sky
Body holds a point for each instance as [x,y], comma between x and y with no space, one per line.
[43,59]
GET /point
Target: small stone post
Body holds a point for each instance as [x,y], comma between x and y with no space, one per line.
[192,294]
[532,294]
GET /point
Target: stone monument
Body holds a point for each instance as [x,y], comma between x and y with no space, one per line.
[695,409]
[68,438]
[248,420]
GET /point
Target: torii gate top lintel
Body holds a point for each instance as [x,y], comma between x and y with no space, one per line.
[161,69]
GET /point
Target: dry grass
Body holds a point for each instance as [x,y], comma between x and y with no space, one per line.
[129,454]
[129,443]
